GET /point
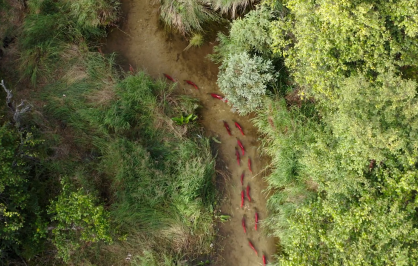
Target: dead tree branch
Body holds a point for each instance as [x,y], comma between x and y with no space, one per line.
[19,110]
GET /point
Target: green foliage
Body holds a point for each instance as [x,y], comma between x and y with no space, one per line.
[249,34]
[182,120]
[244,79]
[323,42]
[79,221]
[287,133]
[383,123]
[186,16]
[22,222]
[344,174]
[159,182]
[12,180]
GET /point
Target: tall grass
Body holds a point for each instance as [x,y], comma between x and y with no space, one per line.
[51,27]
[286,133]
[160,175]
[186,16]
[232,7]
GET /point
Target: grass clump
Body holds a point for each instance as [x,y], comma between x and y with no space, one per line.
[52,26]
[186,16]
[232,7]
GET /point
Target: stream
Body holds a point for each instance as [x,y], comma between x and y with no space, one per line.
[143,43]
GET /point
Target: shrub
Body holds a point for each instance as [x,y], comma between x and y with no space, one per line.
[249,34]
[244,79]
[79,221]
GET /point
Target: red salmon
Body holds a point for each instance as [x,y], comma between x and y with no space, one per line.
[237,154]
[251,245]
[248,193]
[192,83]
[243,225]
[227,128]
[241,146]
[169,77]
[239,127]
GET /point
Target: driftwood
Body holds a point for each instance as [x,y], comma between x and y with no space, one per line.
[19,110]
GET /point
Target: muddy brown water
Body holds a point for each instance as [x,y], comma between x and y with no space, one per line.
[143,43]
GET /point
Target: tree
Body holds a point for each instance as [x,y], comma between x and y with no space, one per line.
[79,222]
[350,197]
[244,79]
[325,41]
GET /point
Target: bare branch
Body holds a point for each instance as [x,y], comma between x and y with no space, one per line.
[18,111]
[9,95]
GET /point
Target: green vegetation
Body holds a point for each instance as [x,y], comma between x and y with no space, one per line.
[99,169]
[110,167]
[77,219]
[343,140]
[192,17]
[186,16]
[243,79]
[160,181]
[52,26]
[195,41]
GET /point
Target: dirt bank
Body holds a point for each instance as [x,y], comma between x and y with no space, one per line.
[144,44]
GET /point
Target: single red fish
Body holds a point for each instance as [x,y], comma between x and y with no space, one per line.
[249,165]
[243,225]
[248,193]
[242,178]
[168,77]
[218,97]
[256,221]
[131,69]
[237,154]
[264,260]
[251,246]
[242,198]
[239,127]
[241,146]
[227,128]
[192,83]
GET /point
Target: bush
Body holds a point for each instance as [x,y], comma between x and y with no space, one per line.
[248,34]
[79,221]
[244,80]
